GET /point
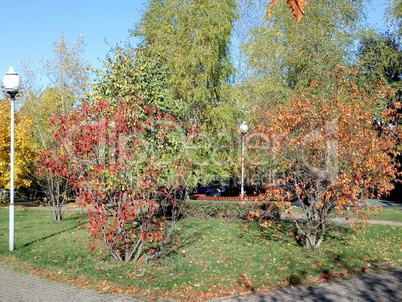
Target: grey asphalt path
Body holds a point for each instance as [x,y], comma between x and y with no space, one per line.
[17,287]
[386,204]
[383,222]
[370,287]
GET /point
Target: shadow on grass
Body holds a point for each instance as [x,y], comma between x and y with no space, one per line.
[329,263]
[285,230]
[282,231]
[49,236]
[368,287]
[67,219]
[297,277]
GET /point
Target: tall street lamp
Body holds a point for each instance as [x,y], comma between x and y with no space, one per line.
[11,83]
[243,130]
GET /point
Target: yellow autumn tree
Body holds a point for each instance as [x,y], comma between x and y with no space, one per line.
[23,152]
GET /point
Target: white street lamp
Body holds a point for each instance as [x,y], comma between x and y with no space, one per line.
[12,84]
[243,130]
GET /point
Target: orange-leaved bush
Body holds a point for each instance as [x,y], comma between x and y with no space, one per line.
[335,144]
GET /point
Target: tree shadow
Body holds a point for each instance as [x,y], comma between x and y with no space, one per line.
[396,194]
[281,230]
[74,227]
[371,287]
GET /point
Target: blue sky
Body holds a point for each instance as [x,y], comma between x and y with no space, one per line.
[30,27]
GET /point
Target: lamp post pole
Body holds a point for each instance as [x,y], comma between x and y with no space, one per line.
[243,130]
[12,84]
[12,207]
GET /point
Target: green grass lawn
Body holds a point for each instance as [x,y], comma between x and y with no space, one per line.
[387,214]
[216,257]
[379,214]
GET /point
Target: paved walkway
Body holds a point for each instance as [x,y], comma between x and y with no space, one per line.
[384,222]
[17,287]
[371,287]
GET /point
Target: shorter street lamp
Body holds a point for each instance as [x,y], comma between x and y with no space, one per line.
[11,83]
[243,130]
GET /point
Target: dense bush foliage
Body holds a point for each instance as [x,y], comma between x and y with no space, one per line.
[227,209]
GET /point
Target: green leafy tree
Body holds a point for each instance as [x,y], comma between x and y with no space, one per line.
[191,39]
[395,14]
[380,58]
[68,71]
[68,76]
[282,56]
[191,42]
[127,72]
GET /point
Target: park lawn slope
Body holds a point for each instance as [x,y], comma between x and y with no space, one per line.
[215,258]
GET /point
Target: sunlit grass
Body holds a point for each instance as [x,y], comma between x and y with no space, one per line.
[388,215]
[375,214]
[215,258]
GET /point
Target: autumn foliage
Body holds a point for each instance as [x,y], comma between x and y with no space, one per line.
[335,145]
[296,6]
[23,147]
[124,162]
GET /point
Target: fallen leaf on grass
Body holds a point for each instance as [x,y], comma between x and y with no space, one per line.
[245,281]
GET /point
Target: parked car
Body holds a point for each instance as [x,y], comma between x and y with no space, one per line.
[230,191]
[213,192]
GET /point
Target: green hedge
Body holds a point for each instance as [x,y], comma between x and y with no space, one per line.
[228,209]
